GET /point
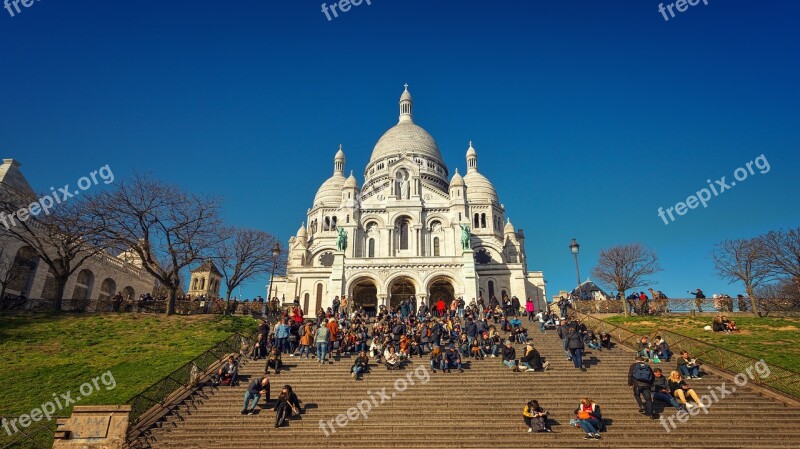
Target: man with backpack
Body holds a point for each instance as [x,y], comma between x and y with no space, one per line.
[640,377]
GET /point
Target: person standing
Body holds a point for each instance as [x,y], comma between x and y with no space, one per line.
[575,346]
[640,378]
[529,309]
[321,339]
[698,299]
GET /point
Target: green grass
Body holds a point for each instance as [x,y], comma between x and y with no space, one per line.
[776,340]
[47,354]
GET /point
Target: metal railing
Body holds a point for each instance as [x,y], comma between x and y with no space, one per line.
[766,306]
[156,400]
[37,436]
[780,380]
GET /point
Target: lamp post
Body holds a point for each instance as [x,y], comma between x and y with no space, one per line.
[573,248]
[276,251]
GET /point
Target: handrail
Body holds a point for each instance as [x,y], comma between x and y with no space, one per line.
[158,397]
[780,379]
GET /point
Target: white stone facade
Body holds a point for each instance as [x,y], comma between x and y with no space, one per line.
[404,234]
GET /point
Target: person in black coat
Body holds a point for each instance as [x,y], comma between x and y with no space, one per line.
[575,346]
[286,404]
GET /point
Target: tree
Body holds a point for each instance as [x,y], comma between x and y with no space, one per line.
[783,253]
[626,267]
[744,260]
[245,254]
[64,237]
[168,229]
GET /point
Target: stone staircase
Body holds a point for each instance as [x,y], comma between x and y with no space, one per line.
[479,408]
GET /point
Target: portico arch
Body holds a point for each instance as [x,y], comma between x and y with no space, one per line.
[363,292]
[400,289]
[441,287]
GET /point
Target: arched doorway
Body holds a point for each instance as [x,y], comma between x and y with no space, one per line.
[365,294]
[400,290]
[83,284]
[107,289]
[441,288]
[128,293]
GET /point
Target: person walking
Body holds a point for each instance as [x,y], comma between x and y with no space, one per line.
[640,378]
[321,339]
[575,346]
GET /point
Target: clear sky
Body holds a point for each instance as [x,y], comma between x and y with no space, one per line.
[587,116]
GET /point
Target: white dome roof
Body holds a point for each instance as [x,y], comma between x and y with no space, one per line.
[302,231]
[457,180]
[350,182]
[330,192]
[508,228]
[479,188]
[406,137]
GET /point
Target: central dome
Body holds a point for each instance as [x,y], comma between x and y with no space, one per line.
[406,137]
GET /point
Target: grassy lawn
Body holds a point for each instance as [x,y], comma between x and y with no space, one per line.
[776,340]
[47,354]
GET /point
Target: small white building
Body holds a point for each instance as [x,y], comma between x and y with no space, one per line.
[404,231]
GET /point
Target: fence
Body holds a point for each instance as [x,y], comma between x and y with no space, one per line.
[152,403]
[766,306]
[781,380]
[182,307]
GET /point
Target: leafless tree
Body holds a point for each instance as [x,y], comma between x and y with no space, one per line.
[245,254]
[169,229]
[64,238]
[783,253]
[744,260]
[626,267]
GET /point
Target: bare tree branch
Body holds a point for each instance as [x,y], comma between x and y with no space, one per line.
[626,267]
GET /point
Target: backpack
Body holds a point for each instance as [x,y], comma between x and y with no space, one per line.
[643,373]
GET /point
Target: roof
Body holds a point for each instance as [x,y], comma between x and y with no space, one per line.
[207,266]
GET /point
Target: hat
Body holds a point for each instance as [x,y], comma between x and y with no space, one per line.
[452,346]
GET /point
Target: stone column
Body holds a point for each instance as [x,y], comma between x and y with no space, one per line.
[470,276]
[336,280]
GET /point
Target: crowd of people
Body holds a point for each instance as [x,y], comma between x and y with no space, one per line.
[448,337]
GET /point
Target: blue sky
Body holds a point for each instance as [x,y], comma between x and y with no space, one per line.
[587,116]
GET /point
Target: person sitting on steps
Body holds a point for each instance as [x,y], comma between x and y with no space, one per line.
[535,417]
[661,391]
[646,349]
[436,358]
[688,366]
[360,366]
[532,360]
[510,357]
[227,373]
[274,361]
[452,359]
[391,359]
[286,404]
[590,419]
[680,389]
[258,387]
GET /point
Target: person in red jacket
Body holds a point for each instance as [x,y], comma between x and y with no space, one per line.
[440,307]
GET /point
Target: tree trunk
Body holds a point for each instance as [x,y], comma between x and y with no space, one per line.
[624,303]
[61,286]
[753,300]
[227,302]
[173,292]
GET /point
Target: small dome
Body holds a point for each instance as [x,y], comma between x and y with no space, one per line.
[457,180]
[509,228]
[302,231]
[479,189]
[471,151]
[339,154]
[330,192]
[350,182]
[406,94]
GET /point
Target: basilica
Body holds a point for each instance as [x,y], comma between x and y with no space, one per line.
[412,229]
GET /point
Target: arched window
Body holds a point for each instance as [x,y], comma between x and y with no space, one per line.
[319,297]
[404,234]
[483,220]
[194,284]
[333,223]
[371,248]
[477,222]
[491,289]
[436,246]
[348,219]
[326,225]
[202,283]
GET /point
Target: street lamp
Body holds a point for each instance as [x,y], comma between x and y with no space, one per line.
[276,251]
[573,248]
